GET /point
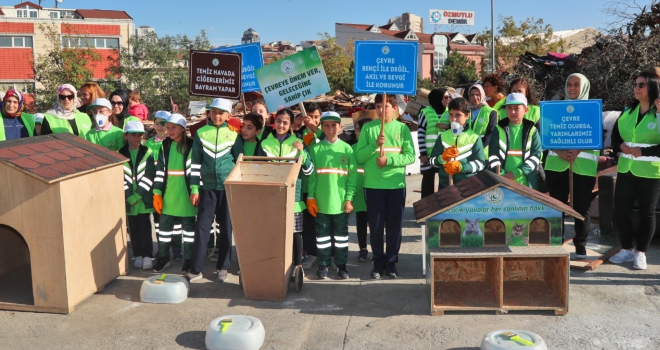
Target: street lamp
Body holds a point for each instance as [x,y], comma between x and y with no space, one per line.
[492,34]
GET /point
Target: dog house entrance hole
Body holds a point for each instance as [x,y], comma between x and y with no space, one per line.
[15,268]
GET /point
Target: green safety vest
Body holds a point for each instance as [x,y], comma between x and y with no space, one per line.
[533,113]
[28,120]
[444,118]
[504,152]
[481,121]
[464,143]
[58,125]
[645,134]
[274,148]
[432,130]
[585,164]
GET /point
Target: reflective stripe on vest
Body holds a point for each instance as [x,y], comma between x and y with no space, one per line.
[641,135]
[432,130]
[464,143]
[585,164]
[532,161]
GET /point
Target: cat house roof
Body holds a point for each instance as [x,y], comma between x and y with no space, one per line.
[56,157]
[475,186]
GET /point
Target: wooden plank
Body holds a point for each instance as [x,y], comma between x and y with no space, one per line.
[523,269]
[530,295]
[33,308]
[593,260]
[556,275]
[494,278]
[472,295]
[510,251]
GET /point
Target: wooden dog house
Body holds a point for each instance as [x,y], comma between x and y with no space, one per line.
[493,244]
[62,222]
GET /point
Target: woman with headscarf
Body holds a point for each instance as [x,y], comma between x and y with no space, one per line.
[120,115]
[15,124]
[65,117]
[483,119]
[585,167]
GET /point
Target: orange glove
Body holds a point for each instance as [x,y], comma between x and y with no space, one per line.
[453,167]
[158,203]
[308,139]
[449,153]
[312,207]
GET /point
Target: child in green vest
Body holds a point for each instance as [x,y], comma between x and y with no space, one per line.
[139,172]
[359,201]
[331,193]
[516,146]
[212,161]
[385,183]
[259,107]
[105,134]
[458,156]
[248,143]
[172,189]
[284,144]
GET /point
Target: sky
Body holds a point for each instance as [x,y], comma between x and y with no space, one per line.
[297,20]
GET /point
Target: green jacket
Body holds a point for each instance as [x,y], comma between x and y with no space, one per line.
[335,176]
[139,177]
[112,139]
[359,201]
[28,121]
[212,158]
[471,155]
[162,166]
[274,148]
[154,146]
[499,150]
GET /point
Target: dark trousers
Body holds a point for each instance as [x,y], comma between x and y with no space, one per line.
[167,231]
[212,203]
[309,231]
[428,181]
[139,229]
[558,185]
[385,213]
[646,191]
[176,243]
[361,222]
[332,231]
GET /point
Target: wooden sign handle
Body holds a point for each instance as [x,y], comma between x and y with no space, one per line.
[570,182]
[302,109]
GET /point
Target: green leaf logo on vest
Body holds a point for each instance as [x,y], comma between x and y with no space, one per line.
[287,67]
[570,109]
[344,160]
[651,125]
[495,196]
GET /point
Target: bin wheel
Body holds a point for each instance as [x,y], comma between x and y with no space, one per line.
[298,281]
[240,280]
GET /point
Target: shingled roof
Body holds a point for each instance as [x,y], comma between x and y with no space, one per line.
[474,186]
[57,157]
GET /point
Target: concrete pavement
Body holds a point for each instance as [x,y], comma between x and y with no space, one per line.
[613,307]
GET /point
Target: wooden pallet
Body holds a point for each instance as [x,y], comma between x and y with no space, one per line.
[499,279]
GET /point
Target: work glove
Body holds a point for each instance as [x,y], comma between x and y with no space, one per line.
[158,203]
[453,167]
[312,207]
[450,153]
[309,138]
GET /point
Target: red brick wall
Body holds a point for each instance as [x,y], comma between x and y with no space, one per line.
[97,29]
[16,63]
[9,27]
[100,68]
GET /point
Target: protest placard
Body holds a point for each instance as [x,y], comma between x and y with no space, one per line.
[215,74]
[386,67]
[572,124]
[252,60]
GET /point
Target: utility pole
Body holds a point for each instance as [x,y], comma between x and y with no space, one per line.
[492,34]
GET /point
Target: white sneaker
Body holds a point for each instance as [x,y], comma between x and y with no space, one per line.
[138,262]
[640,261]
[148,263]
[623,256]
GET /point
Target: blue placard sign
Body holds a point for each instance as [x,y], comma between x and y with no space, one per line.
[252,60]
[386,67]
[572,124]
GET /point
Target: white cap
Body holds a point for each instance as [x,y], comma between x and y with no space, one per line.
[162,115]
[516,98]
[221,104]
[133,127]
[177,118]
[102,102]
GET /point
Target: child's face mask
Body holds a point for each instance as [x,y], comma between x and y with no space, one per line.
[101,120]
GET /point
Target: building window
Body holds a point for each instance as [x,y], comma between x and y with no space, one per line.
[22,87]
[98,43]
[27,12]
[15,41]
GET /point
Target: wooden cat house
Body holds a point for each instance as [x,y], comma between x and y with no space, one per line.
[493,244]
[62,222]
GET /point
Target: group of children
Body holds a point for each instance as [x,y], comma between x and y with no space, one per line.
[179,180]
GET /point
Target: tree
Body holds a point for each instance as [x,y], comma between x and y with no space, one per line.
[513,40]
[456,67]
[338,63]
[157,68]
[59,65]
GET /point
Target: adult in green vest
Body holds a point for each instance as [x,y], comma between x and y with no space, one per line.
[636,139]
[427,135]
[15,124]
[120,115]
[522,86]
[482,119]
[585,167]
[494,88]
[65,117]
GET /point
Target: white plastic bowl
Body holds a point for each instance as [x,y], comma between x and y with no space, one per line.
[243,333]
